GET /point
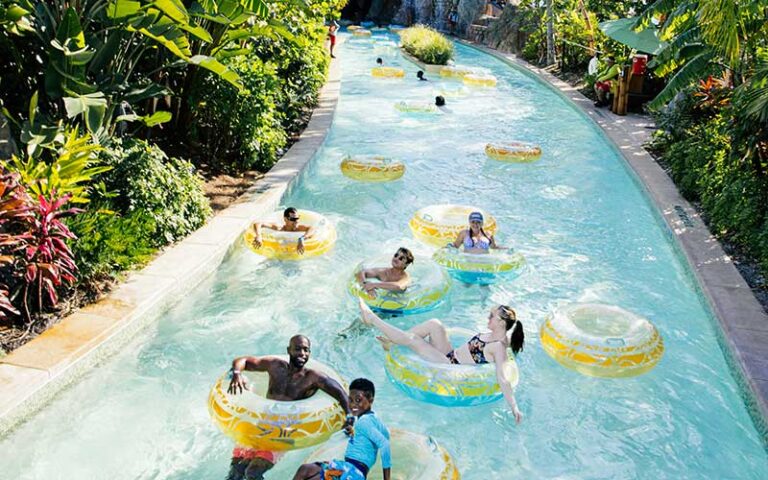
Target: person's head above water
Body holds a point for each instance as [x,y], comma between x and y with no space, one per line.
[290,214]
[298,349]
[379,61]
[361,395]
[420,75]
[402,258]
[475,221]
[505,317]
[440,101]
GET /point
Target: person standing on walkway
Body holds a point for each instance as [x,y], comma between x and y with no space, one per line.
[332,29]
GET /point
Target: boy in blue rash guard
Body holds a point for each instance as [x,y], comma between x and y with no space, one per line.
[368,437]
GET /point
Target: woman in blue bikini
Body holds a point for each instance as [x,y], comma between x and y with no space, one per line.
[430,341]
[474,238]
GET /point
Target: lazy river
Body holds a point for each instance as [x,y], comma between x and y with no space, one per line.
[586,229]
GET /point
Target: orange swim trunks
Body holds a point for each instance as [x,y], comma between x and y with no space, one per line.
[251,453]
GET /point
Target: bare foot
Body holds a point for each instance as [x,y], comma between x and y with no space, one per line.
[365,311]
[386,343]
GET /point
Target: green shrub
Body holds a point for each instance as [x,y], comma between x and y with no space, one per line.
[109,242]
[146,182]
[427,45]
[241,130]
[302,72]
[709,166]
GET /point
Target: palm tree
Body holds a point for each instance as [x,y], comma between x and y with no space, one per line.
[707,37]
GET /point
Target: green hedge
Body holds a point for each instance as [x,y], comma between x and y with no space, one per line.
[167,190]
[427,45]
[109,242]
[710,166]
[249,129]
[144,202]
[241,130]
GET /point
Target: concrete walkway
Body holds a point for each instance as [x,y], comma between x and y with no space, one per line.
[742,320]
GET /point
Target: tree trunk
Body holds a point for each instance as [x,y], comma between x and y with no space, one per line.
[550,34]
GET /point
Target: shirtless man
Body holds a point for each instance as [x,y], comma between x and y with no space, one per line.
[290,224]
[288,381]
[394,278]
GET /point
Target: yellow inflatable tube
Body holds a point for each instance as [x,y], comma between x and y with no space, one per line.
[387,72]
[456,71]
[282,245]
[480,80]
[438,225]
[352,28]
[428,288]
[480,268]
[513,151]
[372,168]
[416,107]
[251,419]
[446,384]
[361,32]
[601,340]
[415,457]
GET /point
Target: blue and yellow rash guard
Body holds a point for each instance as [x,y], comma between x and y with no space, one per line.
[371,436]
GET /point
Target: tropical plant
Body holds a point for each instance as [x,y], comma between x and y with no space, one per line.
[102,60]
[427,45]
[144,179]
[34,255]
[14,215]
[66,163]
[706,37]
[240,130]
[47,260]
[102,249]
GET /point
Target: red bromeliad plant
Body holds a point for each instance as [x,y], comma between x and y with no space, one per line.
[33,249]
[49,262]
[14,217]
[713,94]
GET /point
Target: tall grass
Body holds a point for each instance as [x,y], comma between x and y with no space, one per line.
[427,45]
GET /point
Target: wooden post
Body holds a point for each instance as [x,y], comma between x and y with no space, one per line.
[622,96]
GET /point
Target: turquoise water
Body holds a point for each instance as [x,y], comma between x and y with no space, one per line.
[588,233]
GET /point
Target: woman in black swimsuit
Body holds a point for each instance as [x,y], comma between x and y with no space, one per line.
[430,341]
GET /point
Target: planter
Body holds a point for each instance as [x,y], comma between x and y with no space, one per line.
[427,67]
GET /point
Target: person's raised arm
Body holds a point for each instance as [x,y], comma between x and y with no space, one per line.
[503,364]
[332,388]
[239,364]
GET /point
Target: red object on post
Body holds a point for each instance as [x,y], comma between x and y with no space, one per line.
[638,64]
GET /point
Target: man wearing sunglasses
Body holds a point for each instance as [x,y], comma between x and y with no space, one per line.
[290,224]
[394,278]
